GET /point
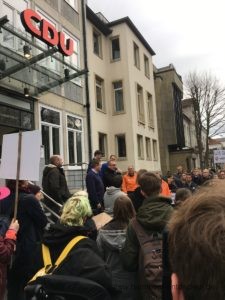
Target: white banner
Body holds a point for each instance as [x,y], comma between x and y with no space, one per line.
[30,155]
[219,156]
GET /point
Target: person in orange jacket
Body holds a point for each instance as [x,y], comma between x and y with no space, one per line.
[129,180]
[165,191]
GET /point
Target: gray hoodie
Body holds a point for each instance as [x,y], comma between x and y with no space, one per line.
[110,243]
[110,196]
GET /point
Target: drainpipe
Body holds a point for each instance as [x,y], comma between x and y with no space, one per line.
[87,105]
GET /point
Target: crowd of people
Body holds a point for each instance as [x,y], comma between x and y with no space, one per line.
[183,212]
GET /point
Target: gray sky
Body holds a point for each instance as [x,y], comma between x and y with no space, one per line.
[188,33]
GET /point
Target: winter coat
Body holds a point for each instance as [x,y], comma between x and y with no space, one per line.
[54,184]
[110,196]
[7,246]
[109,176]
[153,216]
[95,188]
[110,241]
[137,198]
[83,260]
[32,221]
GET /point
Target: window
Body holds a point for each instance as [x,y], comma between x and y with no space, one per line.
[136,56]
[73,59]
[74,139]
[115,48]
[97,48]
[146,64]
[13,14]
[73,3]
[121,145]
[140,104]
[150,110]
[155,150]
[102,143]
[99,85]
[140,146]
[118,96]
[51,132]
[148,148]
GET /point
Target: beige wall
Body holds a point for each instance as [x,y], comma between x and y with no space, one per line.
[124,69]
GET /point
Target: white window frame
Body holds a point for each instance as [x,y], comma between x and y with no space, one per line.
[136,55]
[99,40]
[155,150]
[150,110]
[51,126]
[148,148]
[98,78]
[140,146]
[103,134]
[70,167]
[112,39]
[114,96]
[146,66]
[117,144]
[140,104]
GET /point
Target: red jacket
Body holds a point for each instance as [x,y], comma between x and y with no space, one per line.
[7,246]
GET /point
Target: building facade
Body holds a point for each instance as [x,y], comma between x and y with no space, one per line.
[121,90]
[41,79]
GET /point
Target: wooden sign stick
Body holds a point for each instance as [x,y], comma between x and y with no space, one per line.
[17,175]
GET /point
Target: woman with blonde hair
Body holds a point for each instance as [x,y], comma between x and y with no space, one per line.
[83,260]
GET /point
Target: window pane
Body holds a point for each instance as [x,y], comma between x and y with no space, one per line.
[102,143]
[45,142]
[115,48]
[119,100]
[50,116]
[99,95]
[74,123]
[71,147]
[79,146]
[121,143]
[55,140]
[96,43]
[8,39]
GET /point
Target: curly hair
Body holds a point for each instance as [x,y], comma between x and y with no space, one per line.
[75,211]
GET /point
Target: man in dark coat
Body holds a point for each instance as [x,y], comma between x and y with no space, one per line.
[110,173]
[54,183]
[95,186]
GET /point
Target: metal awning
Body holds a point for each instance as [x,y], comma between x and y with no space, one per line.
[43,71]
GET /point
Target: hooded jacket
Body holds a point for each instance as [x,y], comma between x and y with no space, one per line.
[83,260]
[110,241]
[110,196]
[153,216]
[54,184]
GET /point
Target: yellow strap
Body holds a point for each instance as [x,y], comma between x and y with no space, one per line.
[46,255]
[67,249]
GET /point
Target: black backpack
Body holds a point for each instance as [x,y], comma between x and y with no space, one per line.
[150,262]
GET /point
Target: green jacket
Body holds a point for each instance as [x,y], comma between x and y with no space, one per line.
[153,216]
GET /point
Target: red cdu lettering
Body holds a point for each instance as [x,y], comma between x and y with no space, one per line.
[27,18]
[46,32]
[49,33]
[65,47]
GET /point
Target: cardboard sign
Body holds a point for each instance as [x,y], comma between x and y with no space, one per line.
[30,155]
[101,219]
[219,156]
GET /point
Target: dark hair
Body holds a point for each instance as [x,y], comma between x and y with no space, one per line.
[123,209]
[140,173]
[181,195]
[150,184]
[197,243]
[98,152]
[116,181]
[94,163]
[11,184]
[34,189]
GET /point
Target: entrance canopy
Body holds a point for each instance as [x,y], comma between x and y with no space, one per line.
[29,65]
